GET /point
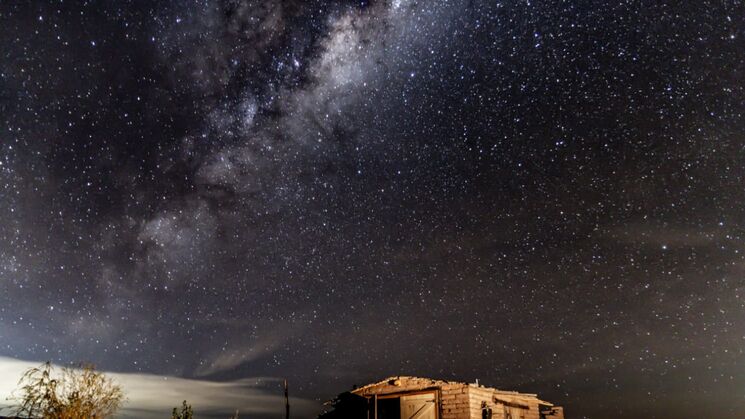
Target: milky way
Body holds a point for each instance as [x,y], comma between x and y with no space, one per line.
[545,196]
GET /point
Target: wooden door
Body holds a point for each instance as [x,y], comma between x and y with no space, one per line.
[419,406]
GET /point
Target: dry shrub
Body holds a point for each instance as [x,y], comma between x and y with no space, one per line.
[80,393]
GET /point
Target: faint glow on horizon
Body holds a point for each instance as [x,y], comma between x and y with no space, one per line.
[153,396]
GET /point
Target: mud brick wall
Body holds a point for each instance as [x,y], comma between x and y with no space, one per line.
[495,399]
[455,402]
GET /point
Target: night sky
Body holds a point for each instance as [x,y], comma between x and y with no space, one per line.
[545,196]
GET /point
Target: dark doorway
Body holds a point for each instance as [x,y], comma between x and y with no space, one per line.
[389,408]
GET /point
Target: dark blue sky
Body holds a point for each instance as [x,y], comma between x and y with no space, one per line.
[546,196]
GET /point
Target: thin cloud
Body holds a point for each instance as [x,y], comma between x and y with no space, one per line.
[153,396]
[650,234]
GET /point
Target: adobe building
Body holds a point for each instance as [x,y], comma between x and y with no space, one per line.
[425,398]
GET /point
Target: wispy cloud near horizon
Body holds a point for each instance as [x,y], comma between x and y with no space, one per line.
[153,396]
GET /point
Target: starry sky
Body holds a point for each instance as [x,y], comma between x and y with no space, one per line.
[545,196]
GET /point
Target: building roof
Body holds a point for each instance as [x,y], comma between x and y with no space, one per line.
[391,380]
[431,382]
